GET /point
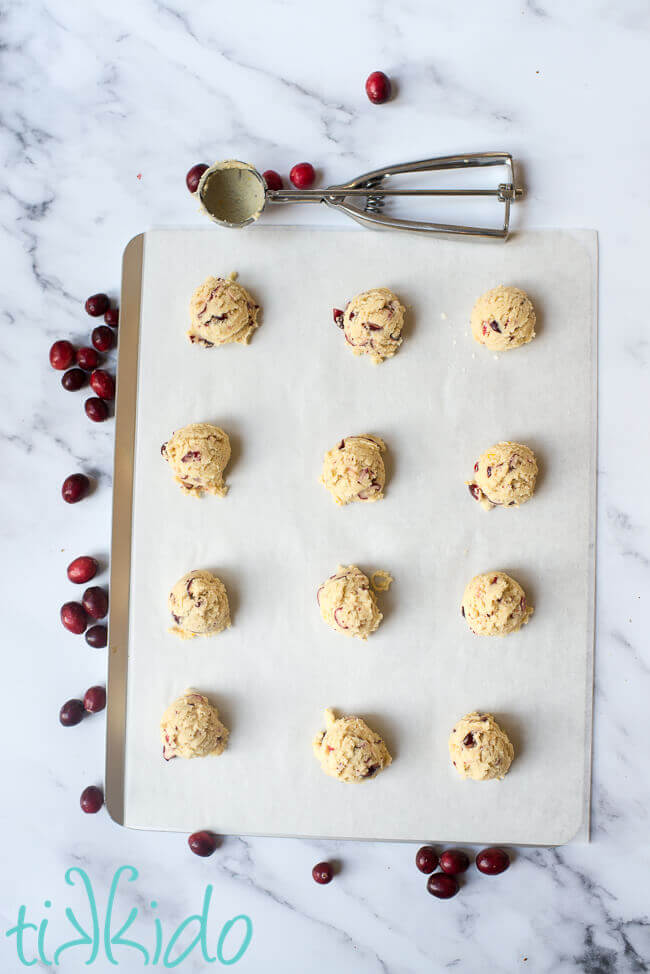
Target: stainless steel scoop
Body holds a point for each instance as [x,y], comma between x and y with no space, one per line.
[234,194]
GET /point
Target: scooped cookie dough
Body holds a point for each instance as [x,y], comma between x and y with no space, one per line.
[190,728]
[354,470]
[504,476]
[495,604]
[349,750]
[348,604]
[503,318]
[372,323]
[479,748]
[221,311]
[198,454]
[198,604]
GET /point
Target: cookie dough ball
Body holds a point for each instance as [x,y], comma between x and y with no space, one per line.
[347,603]
[372,323]
[495,604]
[348,750]
[479,749]
[503,318]
[198,454]
[504,476]
[221,311]
[198,604]
[190,728]
[354,469]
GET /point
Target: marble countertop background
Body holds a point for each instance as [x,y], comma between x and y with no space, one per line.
[103,108]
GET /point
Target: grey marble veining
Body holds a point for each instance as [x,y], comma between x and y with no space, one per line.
[103,108]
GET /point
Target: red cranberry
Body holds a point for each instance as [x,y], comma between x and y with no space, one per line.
[97,304]
[102,338]
[73,379]
[103,384]
[87,359]
[75,487]
[323,873]
[378,87]
[71,713]
[453,862]
[492,861]
[82,569]
[61,355]
[202,843]
[95,602]
[193,177]
[92,799]
[96,409]
[302,175]
[112,317]
[74,618]
[426,859]
[273,179]
[97,637]
[94,699]
[442,885]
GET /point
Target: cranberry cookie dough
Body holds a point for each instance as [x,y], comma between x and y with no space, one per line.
[349,750]
[503,318]
[354,470]
[198,604]
[198,455]
[348,604]
[190,728]
[372,323]
[495,604]
[504,476]
[221,311]
[479,748]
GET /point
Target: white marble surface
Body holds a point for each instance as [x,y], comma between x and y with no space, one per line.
[103,108]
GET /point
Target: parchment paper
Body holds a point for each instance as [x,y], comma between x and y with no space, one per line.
[286,399]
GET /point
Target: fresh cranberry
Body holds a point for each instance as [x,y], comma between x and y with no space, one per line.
[96,409]
[74,488]
[92,799]
[426,859]
[103,384]
[73,379]
[102,338]
[323,873]
[87,358]
[94,699]
[492,861]
[273,179]
[71,713]
[302,175]
[112,317]
[95,602]
[442,886]
[97,304]
[61,355]
[82,569]
[74,618]
[202,843]
[97,637]
[337,314]
[453,862]
[193,177]
[378,87]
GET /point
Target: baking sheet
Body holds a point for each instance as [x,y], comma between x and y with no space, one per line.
[286,399]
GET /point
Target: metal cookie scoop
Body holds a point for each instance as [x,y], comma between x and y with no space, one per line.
[234,194]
